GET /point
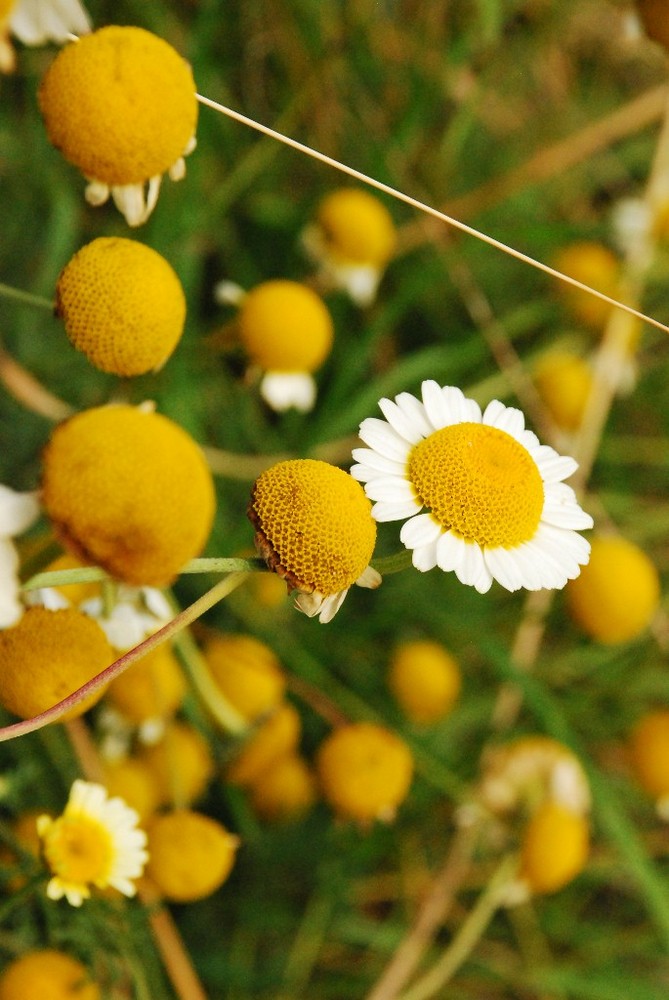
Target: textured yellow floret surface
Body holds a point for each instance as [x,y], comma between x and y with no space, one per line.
[152,687]
[285,327]
[618,592]
[46,656]
[318,521]
[120,105]
[424,679]
[555,847]
[247,672]
[563,381]
[190,855]
[649,752]
[479,481]
[357,227]
[122,305]
[365,771]
[47,975]
[130,491]
[594,265]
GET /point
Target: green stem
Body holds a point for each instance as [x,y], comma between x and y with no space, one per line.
[27,297]
[468,936]
[225,714]
[393,564]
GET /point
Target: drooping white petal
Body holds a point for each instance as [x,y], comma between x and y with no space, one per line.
[424,557]
[17,511]
[370,579]
[36,22]
[504,568]
[420,530]
[388,511]
[288,391]
[450,551]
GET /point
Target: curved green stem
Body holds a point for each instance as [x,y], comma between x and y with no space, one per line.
[386,565]
[27,297]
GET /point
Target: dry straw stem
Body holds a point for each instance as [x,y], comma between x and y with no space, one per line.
[26,390]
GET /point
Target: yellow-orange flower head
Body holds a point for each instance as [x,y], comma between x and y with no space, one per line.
[120,104]
[190,855]
[48,974]
[130,491]
[46,656]
[122,305]
[285,327]
[247,672]
[356,227]
[616,597]
[555,847]
[314,527]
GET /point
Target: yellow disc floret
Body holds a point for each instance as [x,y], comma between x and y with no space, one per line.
[120,105]
[190,855]
[480,482]
[555,847]
[649,752]
[247,672]
[617,594]
[285,327]
[46,656]
[152,687]
[130,491]
[122,305]
[595,265]
[356,227]
[49,975]
[563,381]
[315,524]
[425,680]
[365,771]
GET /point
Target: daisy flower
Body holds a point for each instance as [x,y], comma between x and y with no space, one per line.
[17,512]
[94,842]
[36,22]
[480,496]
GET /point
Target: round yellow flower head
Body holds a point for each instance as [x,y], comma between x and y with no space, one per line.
[595,265]
[120,104]
[356,227]
[190,855]
[617,594]
[153,687]
[272,740]
[563,381]
[365,771]
[649,756]
[285,789]
[285,327]
[529,770]
[555,847]
[425,680]
[181,764]
[132,780]
[46,656]
[122,305]
[49,975]
[128,490]
[247,672]
[315,529]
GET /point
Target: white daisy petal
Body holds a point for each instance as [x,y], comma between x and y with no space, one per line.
[420,530]
[424,557]
[460,409]
[450,551]
[504,418]
[561,509]
[388,511]
[436,408]
[504,568]
[17,511]
[402,424]
[383,439]
[378,463]
[390,488]
[553,467]
[414,410]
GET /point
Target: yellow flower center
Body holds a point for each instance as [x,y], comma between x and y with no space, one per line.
[357,227]
[120,105]
[317,523]
[480,482]
[79,850]
[6,7]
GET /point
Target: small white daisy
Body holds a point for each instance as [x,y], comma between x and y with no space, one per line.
[36,22]
[137,614]
[95,842]
[17,512]
[479,494]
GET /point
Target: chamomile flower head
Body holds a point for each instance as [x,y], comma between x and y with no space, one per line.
[365,771]
[122,305]
[151,688]
[616,597]
[314,528]
[563,380]
[595,265]
[36,22]
[47,656]
[181,764]
[120,104]
[530,770]
[95,842]
[352,239]
[479,494]
[648,748]
[191,855]
[285,790]
[555,848]
[424,679]
[287,331]
[17,512]
[247,672]
[128,490]
[48,974]
[273,739]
